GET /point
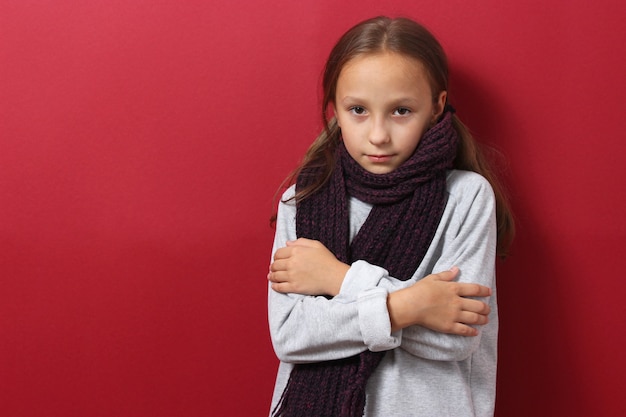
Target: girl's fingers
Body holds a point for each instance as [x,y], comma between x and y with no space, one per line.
[278,265]
[473,290]
[282,253]
[463,330]
[277,277]
[446,275]
[280,287]
[469,318]
[476,306]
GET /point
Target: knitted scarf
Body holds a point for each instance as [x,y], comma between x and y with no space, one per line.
[407,207]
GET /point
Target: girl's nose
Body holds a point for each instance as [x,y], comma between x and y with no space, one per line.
[379,134]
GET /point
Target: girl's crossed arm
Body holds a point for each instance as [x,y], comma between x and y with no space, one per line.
[307,267]
[435,303]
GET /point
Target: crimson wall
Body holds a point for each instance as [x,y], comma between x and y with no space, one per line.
[141,143]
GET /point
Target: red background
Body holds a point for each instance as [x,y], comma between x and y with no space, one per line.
[141,146]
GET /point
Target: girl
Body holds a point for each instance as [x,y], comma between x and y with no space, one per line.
[391,192]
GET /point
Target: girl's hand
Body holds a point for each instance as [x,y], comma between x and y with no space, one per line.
[440,305]
[306,267]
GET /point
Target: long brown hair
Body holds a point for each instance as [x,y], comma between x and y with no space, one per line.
[408,38]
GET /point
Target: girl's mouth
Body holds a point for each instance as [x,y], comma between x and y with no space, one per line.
[379,158]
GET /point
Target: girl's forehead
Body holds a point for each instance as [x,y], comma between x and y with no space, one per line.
[387,57]
[383,63]
[382,78]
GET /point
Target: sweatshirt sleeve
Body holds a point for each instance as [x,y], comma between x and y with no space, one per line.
[470,245]
[466,238]
[315,328]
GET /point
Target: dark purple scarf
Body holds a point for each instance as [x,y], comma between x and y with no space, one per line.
[407,207]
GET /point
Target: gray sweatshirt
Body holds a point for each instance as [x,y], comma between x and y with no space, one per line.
[424,373]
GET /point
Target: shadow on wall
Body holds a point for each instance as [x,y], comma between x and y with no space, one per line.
[533,346]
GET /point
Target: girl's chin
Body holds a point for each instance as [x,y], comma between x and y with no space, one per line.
[378,168]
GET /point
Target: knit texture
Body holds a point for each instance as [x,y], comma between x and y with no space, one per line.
[407,206]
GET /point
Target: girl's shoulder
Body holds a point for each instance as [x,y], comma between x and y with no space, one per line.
[468,187]
[289,193]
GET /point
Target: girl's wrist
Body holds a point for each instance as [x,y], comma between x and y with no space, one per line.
[337,281]
[398,307]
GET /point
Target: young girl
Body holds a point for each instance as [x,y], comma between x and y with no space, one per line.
[382,289]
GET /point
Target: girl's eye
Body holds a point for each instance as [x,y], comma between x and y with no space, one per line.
[357,110]
[402,111]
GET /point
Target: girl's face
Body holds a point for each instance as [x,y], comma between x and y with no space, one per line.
[384,105]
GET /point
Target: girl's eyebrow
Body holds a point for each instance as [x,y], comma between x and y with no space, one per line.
[405,100]
[350,99]
[394,102]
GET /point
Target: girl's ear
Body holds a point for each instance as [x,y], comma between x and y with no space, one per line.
[439,105]
[333,112]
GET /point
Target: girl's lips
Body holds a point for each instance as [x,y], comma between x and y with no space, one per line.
[379,158]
